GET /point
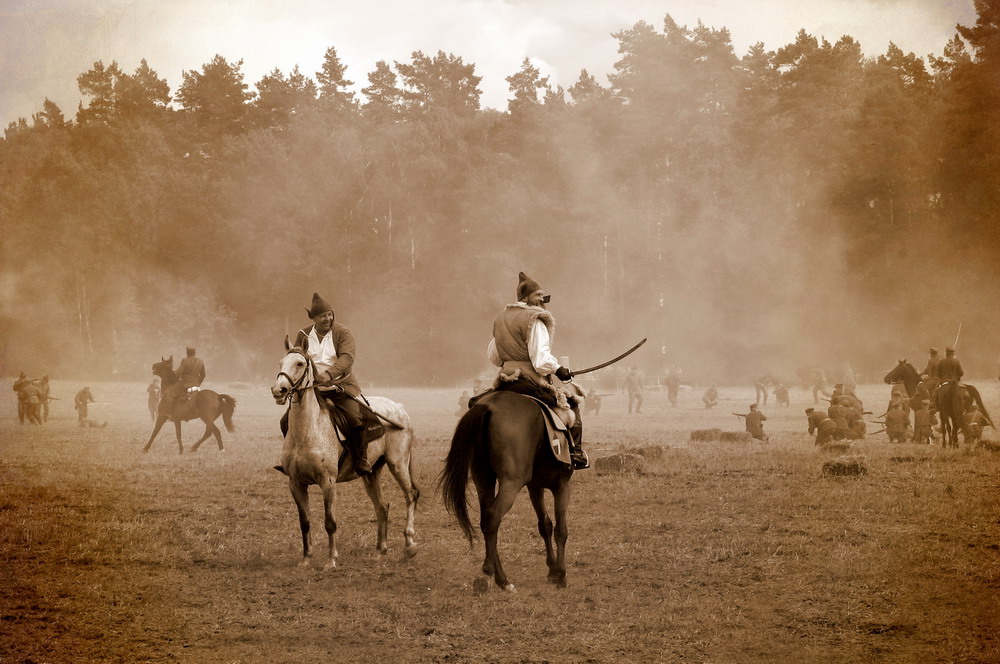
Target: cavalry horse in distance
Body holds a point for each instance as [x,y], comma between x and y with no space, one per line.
[313,454]
[205,405]
[502,441]
[952,400]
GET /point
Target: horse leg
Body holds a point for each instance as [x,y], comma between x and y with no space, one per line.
[374,490]
[180,443]
[218,436]
[490,525]
[160,421]
[401,472]
[537,495]
[208,432]
[300,494]
[329,487]
[561,495]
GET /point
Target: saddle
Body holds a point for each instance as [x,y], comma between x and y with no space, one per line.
[371,425]
[556,431]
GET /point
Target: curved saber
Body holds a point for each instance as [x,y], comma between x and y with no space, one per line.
[610,362]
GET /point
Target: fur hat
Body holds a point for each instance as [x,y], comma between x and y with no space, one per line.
[190,351]
[319,306]
[932,350]
[526,286]
[949,351]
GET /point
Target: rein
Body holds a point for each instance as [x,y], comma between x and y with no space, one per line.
[295,384]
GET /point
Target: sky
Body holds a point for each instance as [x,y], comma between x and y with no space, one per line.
[46,44]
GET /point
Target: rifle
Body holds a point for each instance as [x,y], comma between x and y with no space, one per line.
[875,432]
[741,414]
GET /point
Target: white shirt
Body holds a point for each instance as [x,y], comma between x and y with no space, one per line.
[322,352]
[541,356]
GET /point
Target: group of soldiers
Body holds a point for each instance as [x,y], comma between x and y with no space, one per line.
[843,420]
[33,400]
[914,392]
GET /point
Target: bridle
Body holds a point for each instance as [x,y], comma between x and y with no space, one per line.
[295,384]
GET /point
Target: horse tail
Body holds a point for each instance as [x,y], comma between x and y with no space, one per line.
[469,436]
[979,402]
[227,405]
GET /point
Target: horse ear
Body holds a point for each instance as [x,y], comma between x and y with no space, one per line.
[305,345]
[162,359]
[288,346]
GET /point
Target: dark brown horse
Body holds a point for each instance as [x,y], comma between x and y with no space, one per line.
[205,405]
[502,440]
[951,401]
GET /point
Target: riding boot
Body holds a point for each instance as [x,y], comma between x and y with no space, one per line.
[576,453]
[356,447]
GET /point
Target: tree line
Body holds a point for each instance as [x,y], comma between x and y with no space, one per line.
[747,213]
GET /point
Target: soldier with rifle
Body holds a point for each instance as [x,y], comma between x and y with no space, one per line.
[821,425]
[754,422]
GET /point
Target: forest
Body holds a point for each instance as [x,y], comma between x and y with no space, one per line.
[748,213]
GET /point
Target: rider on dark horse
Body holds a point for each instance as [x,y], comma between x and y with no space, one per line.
[949,369]
[521,348]
[331,349]
[190,376]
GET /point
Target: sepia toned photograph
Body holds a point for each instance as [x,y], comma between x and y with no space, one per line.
[500,331]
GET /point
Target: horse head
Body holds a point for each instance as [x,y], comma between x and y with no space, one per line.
[295,373]
[164,368]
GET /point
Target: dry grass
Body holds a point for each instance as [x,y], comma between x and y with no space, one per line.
[718,553]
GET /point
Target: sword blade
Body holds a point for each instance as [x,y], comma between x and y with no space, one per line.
[610,362]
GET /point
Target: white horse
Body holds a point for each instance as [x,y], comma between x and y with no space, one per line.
[312,454]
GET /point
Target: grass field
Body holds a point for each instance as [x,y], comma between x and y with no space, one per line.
[720,552]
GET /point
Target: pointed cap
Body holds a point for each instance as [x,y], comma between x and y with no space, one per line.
[319,306]
[526,286]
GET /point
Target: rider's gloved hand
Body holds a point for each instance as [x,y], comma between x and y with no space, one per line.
[564,374]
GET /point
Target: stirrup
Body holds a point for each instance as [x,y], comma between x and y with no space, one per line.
[579,459]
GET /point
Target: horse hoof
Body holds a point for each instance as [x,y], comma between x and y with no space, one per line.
[510,588]
[410,551]
[481,584]
[330,566]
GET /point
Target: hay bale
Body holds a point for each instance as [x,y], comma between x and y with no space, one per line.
[618,464]
[989,445]
[845,466]
[647,452]
[706,434]
[735,437]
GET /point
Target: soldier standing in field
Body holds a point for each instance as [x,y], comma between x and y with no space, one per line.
[633,385]
[153,397]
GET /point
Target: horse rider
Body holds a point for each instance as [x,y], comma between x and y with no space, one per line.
[949,369]
[930,371]
[331,348]
[190,375]
[520,347]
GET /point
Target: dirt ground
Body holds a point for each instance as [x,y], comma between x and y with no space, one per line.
[718,552]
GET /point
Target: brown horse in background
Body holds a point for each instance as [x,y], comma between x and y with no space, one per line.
[952,400]
[205,405]
[503,441]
